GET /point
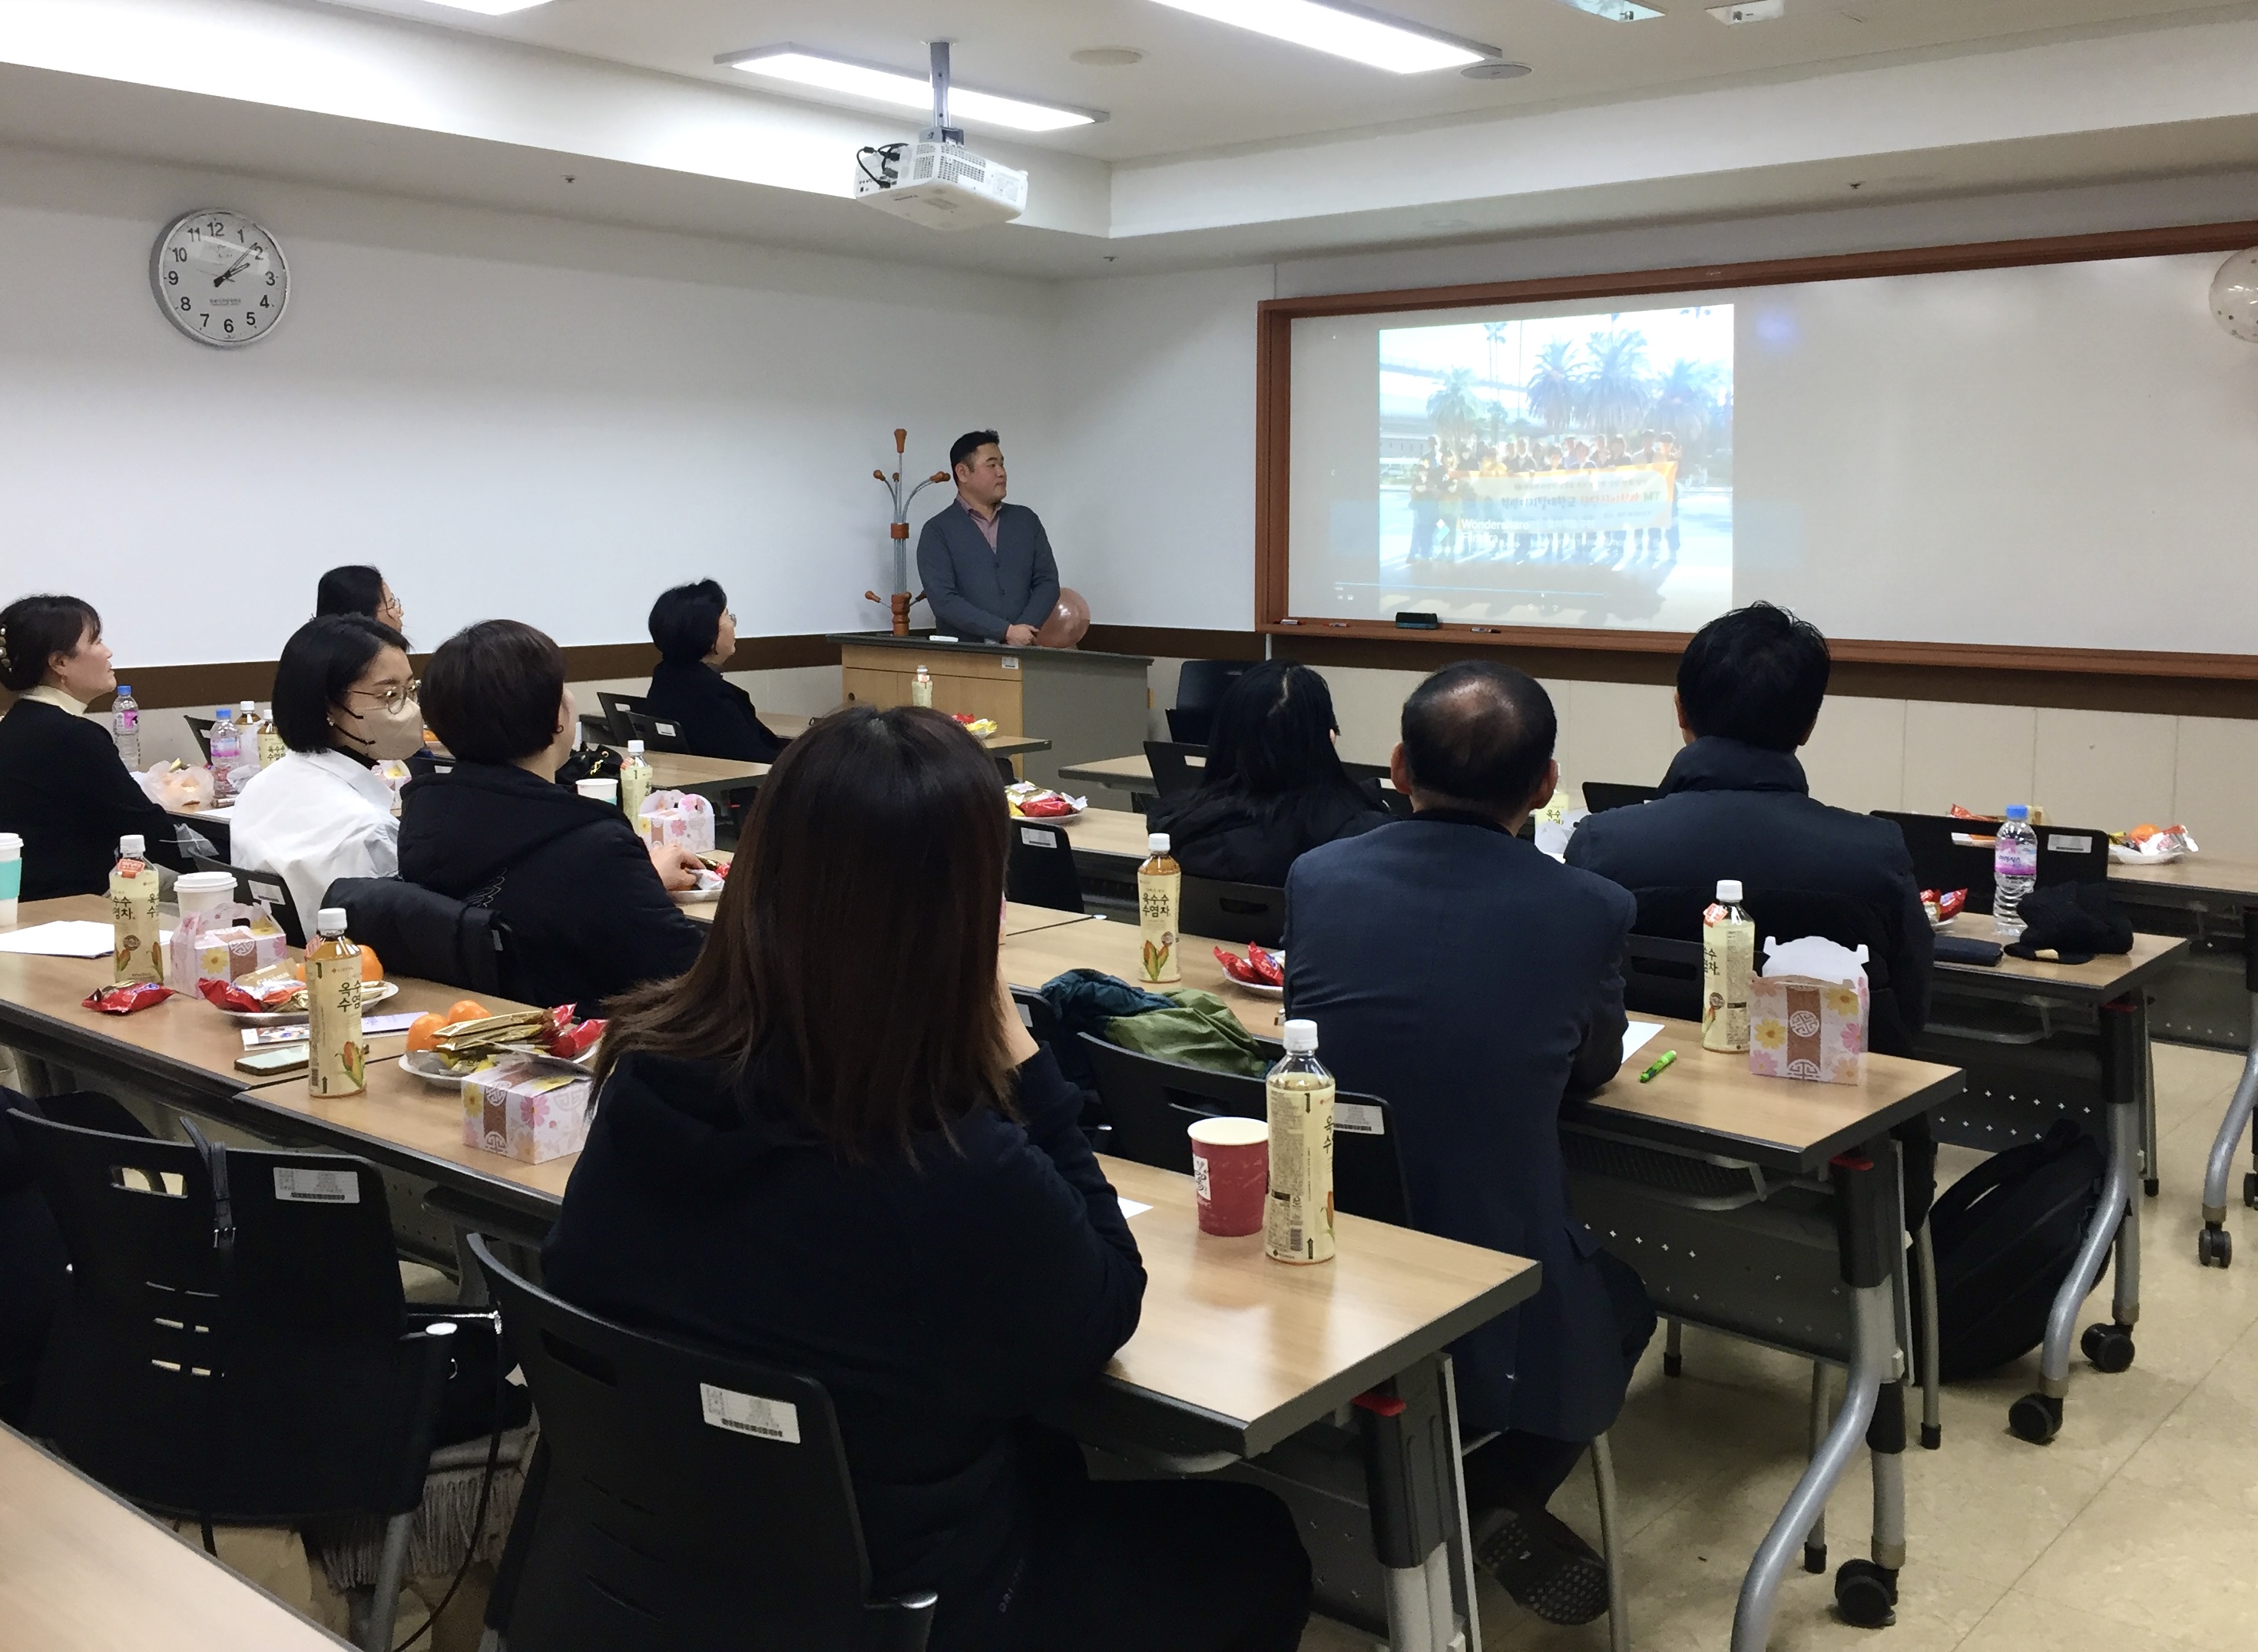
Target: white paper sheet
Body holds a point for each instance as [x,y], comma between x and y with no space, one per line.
[1131,1208]
[69,938]
[1636,1034]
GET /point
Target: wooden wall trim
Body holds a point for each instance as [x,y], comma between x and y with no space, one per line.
[1172,642]
[1274,387]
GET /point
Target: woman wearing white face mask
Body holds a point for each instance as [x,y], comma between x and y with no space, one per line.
[344,702]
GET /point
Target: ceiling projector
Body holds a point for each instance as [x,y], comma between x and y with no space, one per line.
[935,181]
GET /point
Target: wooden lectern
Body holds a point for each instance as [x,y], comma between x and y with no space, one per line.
[1087,705]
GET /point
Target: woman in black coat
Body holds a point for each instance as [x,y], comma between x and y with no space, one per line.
[1274,786]
[833,1148]
[696,635]
[63,788]
[584,898]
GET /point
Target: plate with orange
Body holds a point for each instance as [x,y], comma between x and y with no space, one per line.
[374,990]
[423,1059]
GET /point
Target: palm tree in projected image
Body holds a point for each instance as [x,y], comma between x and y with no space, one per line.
[1685,402]
[1617,386]
[1452,409]
[1552,390]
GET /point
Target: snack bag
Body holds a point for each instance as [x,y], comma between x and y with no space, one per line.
[526,1110]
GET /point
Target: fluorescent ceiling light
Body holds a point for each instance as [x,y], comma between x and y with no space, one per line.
[803,67]
[490,8]
[1346,30]
[1614,10]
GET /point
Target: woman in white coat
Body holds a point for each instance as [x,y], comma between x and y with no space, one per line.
[344,702]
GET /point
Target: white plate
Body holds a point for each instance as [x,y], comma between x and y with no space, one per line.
[1050,820]
[2124,856]
[371,992]
[426,1065]
[1257,988]
[700,895]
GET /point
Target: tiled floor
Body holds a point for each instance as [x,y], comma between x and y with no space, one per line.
[2136,1530]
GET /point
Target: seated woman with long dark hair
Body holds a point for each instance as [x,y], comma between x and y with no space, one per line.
[696,634]
[62,787]
[832,1147]
[1274,786]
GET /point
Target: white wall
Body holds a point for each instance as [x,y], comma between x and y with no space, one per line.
[512,415]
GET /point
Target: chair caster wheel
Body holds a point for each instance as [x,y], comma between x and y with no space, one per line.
[2036,1417]
[2250,1189]
[1931,1437]
[2151,1187]
[1815,1558]
[1673,1364]
[2110,1347]
[2214,1247]
[1866,1595]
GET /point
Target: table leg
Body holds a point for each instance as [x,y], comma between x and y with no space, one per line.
[2150,1181]
[1932,1388]
[1867,1227]
[2037,1417]
[2214,1246]
[1411,1469]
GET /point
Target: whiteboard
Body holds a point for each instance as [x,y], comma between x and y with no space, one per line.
[2057,456]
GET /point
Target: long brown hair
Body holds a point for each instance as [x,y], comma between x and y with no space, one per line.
[854,949]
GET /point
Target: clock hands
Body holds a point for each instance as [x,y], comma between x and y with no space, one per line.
[235,269]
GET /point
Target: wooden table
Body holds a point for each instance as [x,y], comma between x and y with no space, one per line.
[2109,977]
[1032,958]
[1123,774]
[82,1571]
[712,776]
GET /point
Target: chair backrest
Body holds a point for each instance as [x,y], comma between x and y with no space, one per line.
[616,710]
[1151,1102]
[693,1500]
[1171,773]
[423,934]
[235,1342]
[1950,852]
[252,887]
[1665,973]
[202,729]
[658,733]
[1600,796]
[1200,685]
[1234,912]
[1399,804]
[1041,871]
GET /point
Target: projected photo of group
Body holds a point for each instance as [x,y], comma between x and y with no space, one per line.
[1572,470]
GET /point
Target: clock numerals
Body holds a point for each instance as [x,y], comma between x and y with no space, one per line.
[221,254]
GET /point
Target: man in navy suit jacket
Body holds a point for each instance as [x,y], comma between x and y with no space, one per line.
[1473,982]
[986,566]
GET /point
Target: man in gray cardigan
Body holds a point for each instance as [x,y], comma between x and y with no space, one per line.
[986,566]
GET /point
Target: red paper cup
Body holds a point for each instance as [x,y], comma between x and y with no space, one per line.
[1231,1174]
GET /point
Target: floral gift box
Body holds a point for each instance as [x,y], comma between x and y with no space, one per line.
[1806,1029]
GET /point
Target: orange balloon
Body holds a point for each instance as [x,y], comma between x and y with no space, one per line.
[1068,622]
[466,1009]
[423,1034]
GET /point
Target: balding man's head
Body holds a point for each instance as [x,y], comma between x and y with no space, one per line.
[1479,736]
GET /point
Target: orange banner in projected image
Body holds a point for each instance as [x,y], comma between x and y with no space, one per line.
[1542,502]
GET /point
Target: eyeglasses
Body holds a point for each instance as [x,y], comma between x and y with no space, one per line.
[394,698]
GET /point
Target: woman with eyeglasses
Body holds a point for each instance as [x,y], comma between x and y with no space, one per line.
[696,634]
[344,703]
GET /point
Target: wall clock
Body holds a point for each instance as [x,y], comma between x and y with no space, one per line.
[220,279]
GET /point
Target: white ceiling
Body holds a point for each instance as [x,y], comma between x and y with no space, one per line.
[1221,145]
[1205,86]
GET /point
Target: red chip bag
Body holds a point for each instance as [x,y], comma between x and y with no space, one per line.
[225,995]
[125,1000]
[1238,969]
[1267,969]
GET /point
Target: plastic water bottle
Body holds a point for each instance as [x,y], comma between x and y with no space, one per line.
[249,732]
[125,727]
[226,752]
[2015,870]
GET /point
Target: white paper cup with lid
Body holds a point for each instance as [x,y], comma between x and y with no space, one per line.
[12,876]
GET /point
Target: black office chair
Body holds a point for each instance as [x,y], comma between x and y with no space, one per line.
[1234,912]
[1151,1102]
[688,1500]
[202,729]
[1171,773]
[1041,871]
[617,709]
[658,733]
[1398,804]
[1949,853]
[1600,796]
[252,886]
[423,934]
[1200,685]
[235,1347]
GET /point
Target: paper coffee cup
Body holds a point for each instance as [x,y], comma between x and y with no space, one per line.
[12,876]
[601,790]
[1231,1174]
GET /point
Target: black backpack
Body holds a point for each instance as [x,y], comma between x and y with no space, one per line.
[2004,1236]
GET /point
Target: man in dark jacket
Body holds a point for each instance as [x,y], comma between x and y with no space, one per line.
[986,566]
[583,899]
[1454,969]
[1734,804]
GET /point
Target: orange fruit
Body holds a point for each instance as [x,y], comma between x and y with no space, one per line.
[372,966]
[298,968]
[423,1034]
[466,1009]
